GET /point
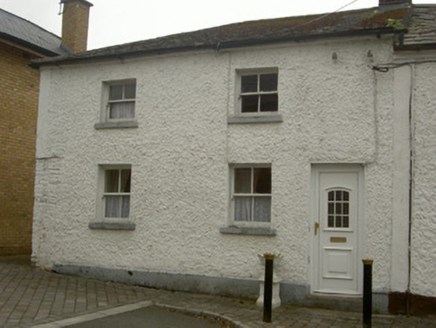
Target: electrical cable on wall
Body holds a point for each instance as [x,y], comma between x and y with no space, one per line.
[384,68]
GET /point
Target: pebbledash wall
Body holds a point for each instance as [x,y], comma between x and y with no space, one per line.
[423,255]
[335,110]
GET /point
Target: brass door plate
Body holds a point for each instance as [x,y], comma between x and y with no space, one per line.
[338,239]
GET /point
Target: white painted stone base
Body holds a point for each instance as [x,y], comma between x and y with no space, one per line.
[276,302]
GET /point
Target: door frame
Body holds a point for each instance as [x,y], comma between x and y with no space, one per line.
[315,170]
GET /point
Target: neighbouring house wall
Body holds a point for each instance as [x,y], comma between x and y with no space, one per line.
[423,279]
[335,110]
[18,115]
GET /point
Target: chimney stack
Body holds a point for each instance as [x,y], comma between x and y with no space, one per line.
[75,24]
[394,2]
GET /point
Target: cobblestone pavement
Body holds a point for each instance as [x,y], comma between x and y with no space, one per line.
[31,297]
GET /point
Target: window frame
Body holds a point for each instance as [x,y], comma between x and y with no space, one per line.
[250,223]
[260,71]
[103,194]
[105,121]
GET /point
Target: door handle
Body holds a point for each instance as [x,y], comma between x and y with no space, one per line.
[316,228]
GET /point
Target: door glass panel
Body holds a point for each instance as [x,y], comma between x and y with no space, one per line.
[338,209]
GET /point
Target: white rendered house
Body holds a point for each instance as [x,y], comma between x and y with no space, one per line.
[176,162]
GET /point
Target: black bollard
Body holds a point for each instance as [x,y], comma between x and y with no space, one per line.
[268,287]
[367,293]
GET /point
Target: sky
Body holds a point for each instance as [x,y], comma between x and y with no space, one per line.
[114,22]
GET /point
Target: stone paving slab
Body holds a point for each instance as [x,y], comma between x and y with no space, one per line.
[32,297]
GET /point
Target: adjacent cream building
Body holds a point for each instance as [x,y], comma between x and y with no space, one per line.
[177,162]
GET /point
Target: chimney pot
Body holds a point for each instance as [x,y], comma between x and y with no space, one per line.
[75,21]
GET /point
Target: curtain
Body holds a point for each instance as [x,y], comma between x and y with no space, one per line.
[112,207]
[242,208]
[122,110]
[125,206]
[262,209]
[117,206]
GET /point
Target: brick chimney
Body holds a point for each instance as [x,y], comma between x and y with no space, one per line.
[75,24]
[394,2]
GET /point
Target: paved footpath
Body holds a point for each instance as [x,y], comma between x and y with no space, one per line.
[32,297]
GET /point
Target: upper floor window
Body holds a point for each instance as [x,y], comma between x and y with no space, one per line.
[258,92]
[121,101]
[251,194]
[118,105]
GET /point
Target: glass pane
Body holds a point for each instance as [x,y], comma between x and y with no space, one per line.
[331,208]
[249,104]
[111,181]
[269,103]
[346,195]
[346,209]
[262,181]
[243,181]
[116,92]
[338,195]
[331,222]
[130,91]
[125,181]
[346,222]
[122,110]
[262,209]
[242,208]
[125,206]
[248,83]
[338,208]
[338,221]
[268,82]
[112,206]
[331,195]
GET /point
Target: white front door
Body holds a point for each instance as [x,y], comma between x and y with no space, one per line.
[337,214]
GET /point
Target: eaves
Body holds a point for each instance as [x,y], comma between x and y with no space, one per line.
[82,58]
[28,45]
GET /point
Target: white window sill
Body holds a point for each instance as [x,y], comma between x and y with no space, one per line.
[274,118]
[249,231]
[116,125]
[112,226]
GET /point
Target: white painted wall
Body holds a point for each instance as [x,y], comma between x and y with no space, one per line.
[334,111]
[423,279]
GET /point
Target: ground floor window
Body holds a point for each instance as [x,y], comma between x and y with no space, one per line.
[251,193]
[116,191]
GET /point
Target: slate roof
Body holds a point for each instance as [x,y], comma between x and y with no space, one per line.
[260,32]
[25,33]
[421,30]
